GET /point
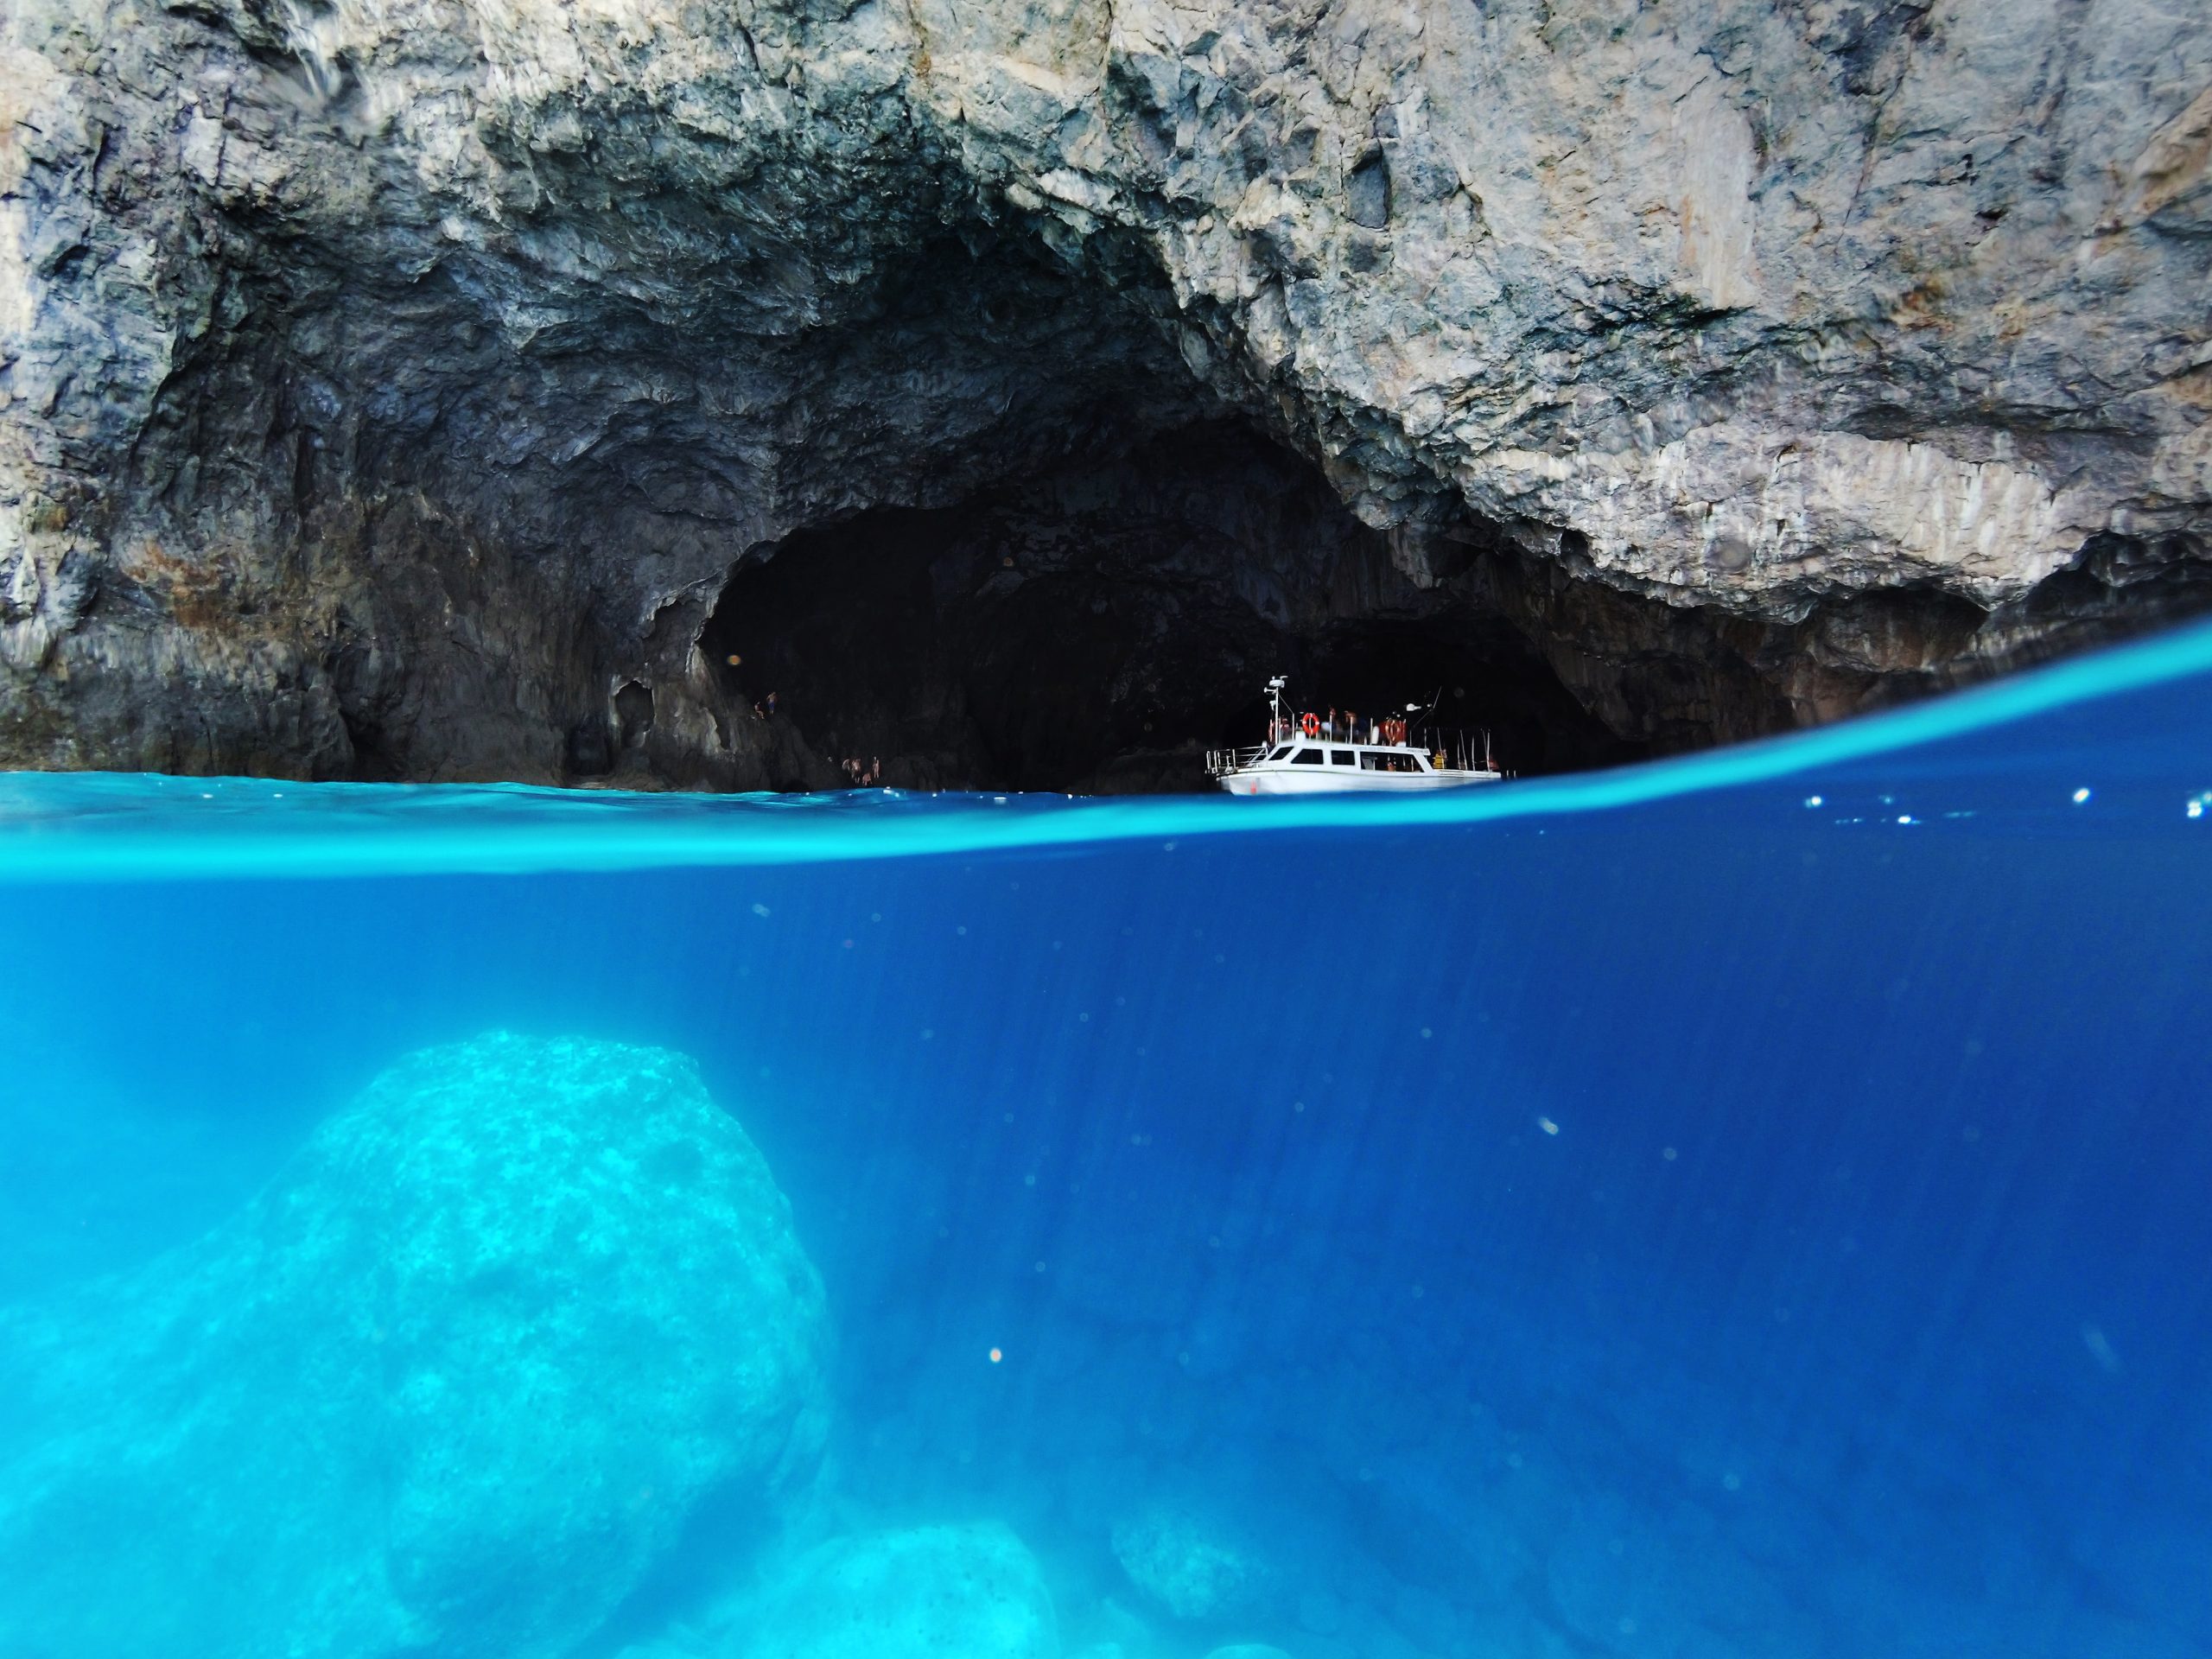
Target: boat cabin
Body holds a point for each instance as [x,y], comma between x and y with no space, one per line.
[1366,757]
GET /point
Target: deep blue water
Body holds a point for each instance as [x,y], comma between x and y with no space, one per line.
[1760,1205]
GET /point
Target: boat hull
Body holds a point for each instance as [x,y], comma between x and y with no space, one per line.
[1313,780]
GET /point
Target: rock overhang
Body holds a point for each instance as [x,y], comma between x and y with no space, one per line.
[359,359]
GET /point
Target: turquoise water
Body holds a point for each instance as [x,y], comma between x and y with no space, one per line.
[1755,1206]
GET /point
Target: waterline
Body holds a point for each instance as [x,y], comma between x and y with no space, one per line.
[146,827]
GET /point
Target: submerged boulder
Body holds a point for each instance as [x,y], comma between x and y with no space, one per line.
[1189,1563]
[931,1591]
[452,1381]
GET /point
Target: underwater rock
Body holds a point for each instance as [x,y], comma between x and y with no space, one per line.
[452,1383]
[1188,1564]
[970,1591]
[1622,1583]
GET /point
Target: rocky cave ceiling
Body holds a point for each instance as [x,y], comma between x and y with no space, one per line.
[449,389]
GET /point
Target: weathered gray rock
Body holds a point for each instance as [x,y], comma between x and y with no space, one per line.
[384,388]
[451,1384]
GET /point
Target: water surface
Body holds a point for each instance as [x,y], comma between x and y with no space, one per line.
[1748,1206]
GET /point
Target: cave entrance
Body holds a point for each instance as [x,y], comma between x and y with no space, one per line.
[1096,629]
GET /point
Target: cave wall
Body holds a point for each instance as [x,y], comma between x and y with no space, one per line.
[384,387]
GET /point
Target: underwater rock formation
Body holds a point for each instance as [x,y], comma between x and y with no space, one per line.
[973,1591]
[451,1384]
[1187,1564]
[392,391]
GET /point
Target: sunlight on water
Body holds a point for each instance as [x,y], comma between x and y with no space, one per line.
[1745,1208]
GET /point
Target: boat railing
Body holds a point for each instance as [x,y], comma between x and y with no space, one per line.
[1461,750]
[1458,751]
[1450,750]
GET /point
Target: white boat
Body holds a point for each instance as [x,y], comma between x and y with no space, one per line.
[1308,754]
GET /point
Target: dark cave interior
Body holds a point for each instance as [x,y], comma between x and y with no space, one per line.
[1097,628]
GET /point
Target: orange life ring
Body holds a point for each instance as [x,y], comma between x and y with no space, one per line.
[1310,724]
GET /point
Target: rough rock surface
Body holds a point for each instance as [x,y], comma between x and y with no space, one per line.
[973,1591]
[451,1384]
[1189,1564]
[388,387]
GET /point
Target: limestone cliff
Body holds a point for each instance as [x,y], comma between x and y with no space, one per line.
[391,387]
